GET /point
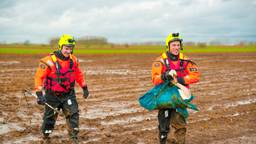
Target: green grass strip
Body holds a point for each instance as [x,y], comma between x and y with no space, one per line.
[38,49]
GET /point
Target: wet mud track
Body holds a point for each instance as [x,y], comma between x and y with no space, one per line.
[226,96]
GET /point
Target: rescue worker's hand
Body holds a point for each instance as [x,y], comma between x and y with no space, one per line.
[85,92]
[172,73]
[174,81]
[40,98]
[169,75]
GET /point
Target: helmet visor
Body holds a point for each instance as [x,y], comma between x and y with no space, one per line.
[71,41]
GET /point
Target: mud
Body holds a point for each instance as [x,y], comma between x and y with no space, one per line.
[226,96]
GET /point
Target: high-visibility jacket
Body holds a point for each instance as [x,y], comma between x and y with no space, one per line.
[187,71]
[58,75]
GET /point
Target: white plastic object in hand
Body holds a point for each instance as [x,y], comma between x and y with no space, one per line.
[184,91]
[172,73]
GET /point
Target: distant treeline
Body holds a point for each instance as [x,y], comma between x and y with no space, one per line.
[87,40]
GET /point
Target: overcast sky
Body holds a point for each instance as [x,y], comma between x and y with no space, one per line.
[128,20]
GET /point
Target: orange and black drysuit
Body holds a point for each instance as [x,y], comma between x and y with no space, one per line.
[57,75]
[187,73]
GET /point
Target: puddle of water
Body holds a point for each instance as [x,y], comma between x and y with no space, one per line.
[105,109]
[199,120]
[243,61]
[233,104]
[58,133]
[237,140]
[108,72]
[213,106]
[5,128]
[222,116]
[85,61]
[242,102]
[15,70]
[27,139]
[92,140]
[123,121]
[108,106]
[9,62]
[122,72]
[128,120]
[103,112]
[136,130]
[149,128]
[141,141]
[84,127]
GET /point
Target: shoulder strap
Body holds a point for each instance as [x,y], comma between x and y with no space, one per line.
[181,57]
[54,59]
[166,62]
[71,63]
[53,56]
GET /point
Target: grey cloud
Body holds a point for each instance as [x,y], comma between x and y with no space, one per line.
[126,21]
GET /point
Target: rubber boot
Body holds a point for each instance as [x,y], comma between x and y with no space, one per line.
[74,140]
[73,136]
[163,138]
[46,139]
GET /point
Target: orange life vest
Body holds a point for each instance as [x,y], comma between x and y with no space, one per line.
[60,79]
[179,67]
[185,68]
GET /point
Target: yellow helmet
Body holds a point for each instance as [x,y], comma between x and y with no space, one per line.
[173,37]
[67,40]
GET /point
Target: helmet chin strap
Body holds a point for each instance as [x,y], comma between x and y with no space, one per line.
[172,56]
[60,55]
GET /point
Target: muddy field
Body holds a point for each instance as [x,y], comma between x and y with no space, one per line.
[226,96]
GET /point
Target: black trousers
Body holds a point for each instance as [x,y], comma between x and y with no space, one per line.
[167,117]
[68,104]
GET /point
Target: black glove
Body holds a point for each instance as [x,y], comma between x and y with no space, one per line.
[86,92]
[165,76]
[40,98]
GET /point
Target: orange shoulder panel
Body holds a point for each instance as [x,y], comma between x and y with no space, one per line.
[74,58]
[42,71]
[157,67]
[193,73]
[78,73]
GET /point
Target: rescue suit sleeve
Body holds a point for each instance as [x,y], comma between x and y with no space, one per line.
[79,76]
[41,73]
[193,73]
[157,68]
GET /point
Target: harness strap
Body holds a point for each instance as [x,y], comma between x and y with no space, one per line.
[167,64]
[58,67]
[71,63]
[181,62]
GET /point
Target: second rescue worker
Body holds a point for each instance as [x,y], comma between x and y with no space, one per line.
[56,75]
[163,69]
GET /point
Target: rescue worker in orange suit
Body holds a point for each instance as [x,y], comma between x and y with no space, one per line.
[56,75]
[187,73]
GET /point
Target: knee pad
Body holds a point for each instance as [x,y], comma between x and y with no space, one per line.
[164,129]
[47,132]
[76,130]
[163,136]
[73,133]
